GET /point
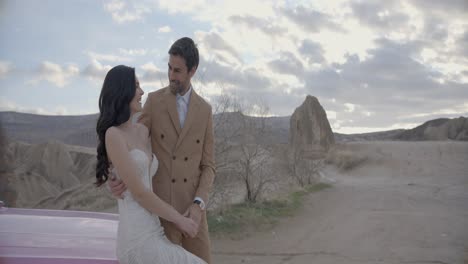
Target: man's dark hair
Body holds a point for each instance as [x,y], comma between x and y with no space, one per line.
[186,48]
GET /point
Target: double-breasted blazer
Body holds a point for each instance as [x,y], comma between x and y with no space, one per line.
[186,155]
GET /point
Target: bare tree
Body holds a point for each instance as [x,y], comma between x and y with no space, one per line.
[254,164]
[227,128]
[227,114]
[254,170]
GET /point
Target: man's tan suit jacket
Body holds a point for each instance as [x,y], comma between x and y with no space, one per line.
[186,155]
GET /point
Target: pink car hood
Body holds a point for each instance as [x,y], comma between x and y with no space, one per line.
[55,236]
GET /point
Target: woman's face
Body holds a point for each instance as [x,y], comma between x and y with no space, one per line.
[135,104]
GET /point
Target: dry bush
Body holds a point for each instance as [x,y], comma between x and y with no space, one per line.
[302,169]
[345,159]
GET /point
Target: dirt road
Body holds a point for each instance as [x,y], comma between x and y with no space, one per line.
[407,204]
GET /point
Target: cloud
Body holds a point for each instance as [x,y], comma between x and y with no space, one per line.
[446,9]
[380,90]
[237,78]
[95,70]
[133,52]
[153,73]
[180,6]
[123,11]
[381,15]
[312,51]
[288,63]
[266,26]
[165,29]
[111,57]
[5,68]
[215,44]
[55,73]
[462,45]
[311,20]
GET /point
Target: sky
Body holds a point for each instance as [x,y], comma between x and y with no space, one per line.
[373,65]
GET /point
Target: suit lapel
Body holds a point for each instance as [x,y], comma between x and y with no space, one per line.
[172,109]
[192,113]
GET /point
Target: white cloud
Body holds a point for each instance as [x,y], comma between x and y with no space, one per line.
[150,67]
[165,29]
[96,71]
[110,57]
[152,76]
[126,11]
[454,111]
[55,73]
[133,52]
[5,68]
[349,107]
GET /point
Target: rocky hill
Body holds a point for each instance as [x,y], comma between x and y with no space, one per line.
[81,130]
[438,129]
[51,175]
[372,136]
[31,128]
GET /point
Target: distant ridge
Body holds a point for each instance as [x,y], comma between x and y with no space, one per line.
[371,136]
[80,130]
[438,129]
[34,129]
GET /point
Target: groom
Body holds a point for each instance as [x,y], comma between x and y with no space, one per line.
[181,128]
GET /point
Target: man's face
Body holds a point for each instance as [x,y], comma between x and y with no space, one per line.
[179,76]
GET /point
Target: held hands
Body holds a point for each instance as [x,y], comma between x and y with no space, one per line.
[195,213]
[187,226]
[116,186]
[193,216]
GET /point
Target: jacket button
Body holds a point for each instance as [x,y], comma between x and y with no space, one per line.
[173,180]
[173,157]
[198,141]
[185,179]
[162,136]
[185,158]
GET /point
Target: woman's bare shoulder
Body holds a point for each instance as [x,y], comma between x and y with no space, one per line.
[113,134]
[142,129]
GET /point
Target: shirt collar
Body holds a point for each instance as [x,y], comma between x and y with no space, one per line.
[186,96]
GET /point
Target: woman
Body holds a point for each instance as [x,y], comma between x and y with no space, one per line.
[124,146]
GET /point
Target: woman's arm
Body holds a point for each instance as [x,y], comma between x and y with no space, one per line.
[127,170]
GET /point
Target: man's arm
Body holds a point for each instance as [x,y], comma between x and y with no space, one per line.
[145,197]
[207,163]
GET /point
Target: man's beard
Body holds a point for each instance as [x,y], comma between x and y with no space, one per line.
[176,87]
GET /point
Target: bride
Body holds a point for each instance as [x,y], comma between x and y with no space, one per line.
[124,146]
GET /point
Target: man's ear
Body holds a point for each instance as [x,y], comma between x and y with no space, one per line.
[192,71]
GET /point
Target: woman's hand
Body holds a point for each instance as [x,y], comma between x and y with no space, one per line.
[187,226]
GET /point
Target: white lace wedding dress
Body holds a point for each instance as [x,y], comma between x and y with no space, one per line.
[140,236]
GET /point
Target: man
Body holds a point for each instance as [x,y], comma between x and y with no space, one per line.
[181,128]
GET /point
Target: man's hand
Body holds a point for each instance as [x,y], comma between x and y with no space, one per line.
[116,186]
[195,213]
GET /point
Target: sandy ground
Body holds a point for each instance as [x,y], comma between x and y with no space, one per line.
[407,204]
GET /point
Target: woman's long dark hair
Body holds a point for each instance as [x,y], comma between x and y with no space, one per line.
[117,92]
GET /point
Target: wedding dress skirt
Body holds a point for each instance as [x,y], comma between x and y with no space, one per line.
[140,236]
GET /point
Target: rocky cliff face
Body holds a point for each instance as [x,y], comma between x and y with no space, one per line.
[309,127]
[52,175]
